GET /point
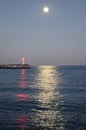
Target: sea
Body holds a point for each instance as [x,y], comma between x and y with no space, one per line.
[43,98]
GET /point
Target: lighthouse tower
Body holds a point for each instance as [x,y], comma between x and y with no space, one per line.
[23,60]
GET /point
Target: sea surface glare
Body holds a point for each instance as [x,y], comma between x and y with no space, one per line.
[43,98]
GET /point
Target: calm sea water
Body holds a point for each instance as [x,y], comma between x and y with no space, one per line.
[43,98]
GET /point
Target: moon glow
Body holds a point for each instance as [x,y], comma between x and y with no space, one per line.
[46,9]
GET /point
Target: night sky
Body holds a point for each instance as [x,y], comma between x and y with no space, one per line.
[55,38]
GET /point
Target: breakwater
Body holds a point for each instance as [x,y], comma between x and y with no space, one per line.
[15,66]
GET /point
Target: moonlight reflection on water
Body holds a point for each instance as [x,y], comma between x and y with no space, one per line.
[48,98]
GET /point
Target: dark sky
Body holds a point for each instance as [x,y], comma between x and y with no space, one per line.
[56,38]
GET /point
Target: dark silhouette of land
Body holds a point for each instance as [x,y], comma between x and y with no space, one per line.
[15,66]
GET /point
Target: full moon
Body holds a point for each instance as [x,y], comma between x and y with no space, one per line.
[46,9]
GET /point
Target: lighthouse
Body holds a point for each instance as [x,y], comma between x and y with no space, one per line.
[23,60]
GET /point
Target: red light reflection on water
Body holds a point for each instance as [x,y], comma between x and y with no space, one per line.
[22,96]
[22,121]
[22,72]
[22,83]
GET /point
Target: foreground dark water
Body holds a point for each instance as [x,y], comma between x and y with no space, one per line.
[42,98]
